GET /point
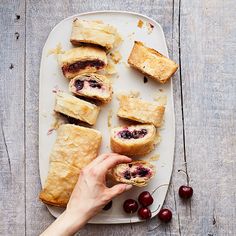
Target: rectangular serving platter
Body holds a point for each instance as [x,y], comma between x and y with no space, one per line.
[126,80]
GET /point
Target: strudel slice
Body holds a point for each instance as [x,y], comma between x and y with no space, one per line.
[134,140]
[75,147]
[81,60]
[93,86]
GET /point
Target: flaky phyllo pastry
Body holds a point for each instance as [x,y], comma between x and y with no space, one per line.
[75,147]
[133,140]
[82,60]
[94,32]
[137,173]
[76,108]
[93,86]
[138,110]
[151,63]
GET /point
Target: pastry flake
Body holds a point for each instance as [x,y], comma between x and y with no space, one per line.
[138,110]
[75,147]
[137,173]
[134,140]
[82,60]
[94,32]
[76,108]
[151,63]
[93,86]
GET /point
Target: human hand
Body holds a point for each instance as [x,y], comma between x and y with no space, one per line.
[89,196]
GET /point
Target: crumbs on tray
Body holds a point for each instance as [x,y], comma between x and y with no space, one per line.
[57,50]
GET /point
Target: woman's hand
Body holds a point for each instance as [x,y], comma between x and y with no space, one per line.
[90,195]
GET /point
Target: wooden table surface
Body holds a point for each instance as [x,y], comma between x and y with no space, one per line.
[201,39]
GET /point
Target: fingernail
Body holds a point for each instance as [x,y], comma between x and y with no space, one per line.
[128,187]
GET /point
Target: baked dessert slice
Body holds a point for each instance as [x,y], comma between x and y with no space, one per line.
[151,63]
[82,60]
[134,140]
[74,107]
[138,110]
[93,86]
[94,32]
[137,173]
[75,147]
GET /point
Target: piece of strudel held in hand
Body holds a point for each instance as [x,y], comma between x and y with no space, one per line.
[75,148]
[151,63]
[134,140]
[94,32]
[138,110]
[82,60]
[93,86]
[76,108]
[137,173]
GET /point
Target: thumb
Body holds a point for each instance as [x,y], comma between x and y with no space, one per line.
[119,188]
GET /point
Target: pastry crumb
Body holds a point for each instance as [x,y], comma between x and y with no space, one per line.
[160,97]
[115,56]
[58,120]
[109,119]
[155,157]
[140,24]
[132,94]
[57,50]
[110,68]
[131,34]
[149,27]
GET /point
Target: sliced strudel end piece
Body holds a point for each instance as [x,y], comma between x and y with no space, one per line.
[74,107]
[141,111]
[93,86]
[137,173]
[134,140]
[151,63]
[94,32]
[82,60]
[75,147]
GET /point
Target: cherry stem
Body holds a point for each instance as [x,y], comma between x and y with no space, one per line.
[158,188]
[186,175]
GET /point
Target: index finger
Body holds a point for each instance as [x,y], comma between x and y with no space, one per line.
[111,162]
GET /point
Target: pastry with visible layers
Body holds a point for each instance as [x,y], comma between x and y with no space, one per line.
[137,173]
[134,140]
[82,60]
[94,32]
[75,148]
[151,63]
[138,110]
[74,107]
[93,86]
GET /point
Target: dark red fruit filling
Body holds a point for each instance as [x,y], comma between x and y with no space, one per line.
[145,199]
[140,171]
[98,64]
[79,84]
[130,206]
[144,213]
[126,134]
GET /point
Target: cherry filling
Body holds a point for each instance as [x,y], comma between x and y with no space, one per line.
[139,172]
[98,64]
[79,84]
[126,134]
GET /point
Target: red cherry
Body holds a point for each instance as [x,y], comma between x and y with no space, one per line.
[145,198]
[165,215]
[130,206]
[144,213]
[185,192]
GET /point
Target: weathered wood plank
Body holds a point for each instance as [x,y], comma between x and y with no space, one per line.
[36,214]
[207,41]
[12,171]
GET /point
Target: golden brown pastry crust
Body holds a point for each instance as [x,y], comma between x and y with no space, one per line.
[82,60]
[151,63]
[103,93]
[121,170]
[74,107]
[94,32]
[133,147]
[141,111]
[75,147]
